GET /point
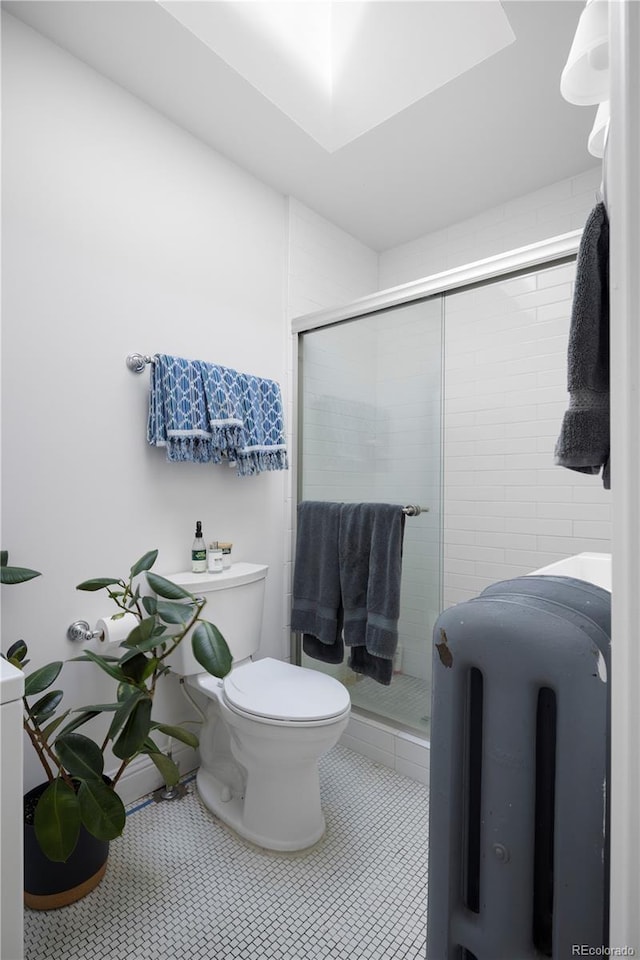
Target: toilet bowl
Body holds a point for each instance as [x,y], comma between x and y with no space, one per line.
[267,723]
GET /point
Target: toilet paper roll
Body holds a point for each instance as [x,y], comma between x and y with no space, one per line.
[115,631]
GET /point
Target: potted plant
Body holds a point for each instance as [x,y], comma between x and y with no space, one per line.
[77,811]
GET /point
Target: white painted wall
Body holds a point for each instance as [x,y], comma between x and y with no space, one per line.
[122,233]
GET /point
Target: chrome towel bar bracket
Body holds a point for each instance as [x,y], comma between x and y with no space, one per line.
[136,362]
[413,510]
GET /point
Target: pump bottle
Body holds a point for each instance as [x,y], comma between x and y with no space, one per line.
[199,551]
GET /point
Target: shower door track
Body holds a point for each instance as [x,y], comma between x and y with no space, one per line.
[491,268]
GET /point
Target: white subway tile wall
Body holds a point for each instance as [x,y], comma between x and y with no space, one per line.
[507,508]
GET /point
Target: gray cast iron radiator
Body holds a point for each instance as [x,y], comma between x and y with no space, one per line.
[518,832]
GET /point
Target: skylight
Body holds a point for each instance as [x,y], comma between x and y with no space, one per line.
[339,69]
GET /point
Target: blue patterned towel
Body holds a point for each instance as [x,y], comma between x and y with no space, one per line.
[177,410]
[205,413]
[223,396]
[264,439]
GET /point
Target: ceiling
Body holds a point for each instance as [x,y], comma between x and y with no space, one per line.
[491,128]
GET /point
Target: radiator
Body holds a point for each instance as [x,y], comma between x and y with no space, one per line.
[518,831]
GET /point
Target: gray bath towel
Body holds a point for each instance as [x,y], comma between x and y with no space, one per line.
[370,548]
[583,444]
[317,605]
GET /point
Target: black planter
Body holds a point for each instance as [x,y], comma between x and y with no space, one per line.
[49,884]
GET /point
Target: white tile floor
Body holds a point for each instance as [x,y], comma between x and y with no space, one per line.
[180,885]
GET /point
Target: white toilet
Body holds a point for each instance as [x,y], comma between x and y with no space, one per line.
[267,723]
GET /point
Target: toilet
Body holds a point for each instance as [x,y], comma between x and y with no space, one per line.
[267,723]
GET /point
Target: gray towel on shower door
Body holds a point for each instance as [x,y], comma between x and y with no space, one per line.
[316,609]
[370,550]
[583,444]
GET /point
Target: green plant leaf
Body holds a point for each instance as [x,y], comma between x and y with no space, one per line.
[150,604]
[144,563]
[167,589]
[177,733]
[210,649]
[152,663]
[108,664]
[46,706]
[96,708]
[98,584]
[166,766]
[124,711]
[17,574]
[140,633]
[42,678]
[134,666]
[17,651]
[4,558]
[101,809]
[176,612]
[125,690]
[51,728]
[135,731]
[82,717]
[147,645]
[57,821]
[80,756]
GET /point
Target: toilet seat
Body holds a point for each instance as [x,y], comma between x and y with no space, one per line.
[273,690]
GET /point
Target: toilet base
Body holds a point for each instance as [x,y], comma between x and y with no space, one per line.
[230,811]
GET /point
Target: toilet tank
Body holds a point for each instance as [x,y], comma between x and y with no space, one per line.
[235,601]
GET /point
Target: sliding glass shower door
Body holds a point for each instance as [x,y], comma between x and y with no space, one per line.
[371,430]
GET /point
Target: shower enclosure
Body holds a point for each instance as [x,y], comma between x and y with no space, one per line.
[371,427]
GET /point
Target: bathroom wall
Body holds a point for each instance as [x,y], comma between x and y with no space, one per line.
[507,508]
[327,267]
[122,233]
[553,210]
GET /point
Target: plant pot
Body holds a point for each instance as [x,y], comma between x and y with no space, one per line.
[49,884]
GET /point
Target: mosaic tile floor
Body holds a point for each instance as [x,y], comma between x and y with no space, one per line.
[180,885]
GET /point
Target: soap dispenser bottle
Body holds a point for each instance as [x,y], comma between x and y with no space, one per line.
[199,551]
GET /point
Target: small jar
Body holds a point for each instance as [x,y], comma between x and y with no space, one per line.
[214,558]
[226,554]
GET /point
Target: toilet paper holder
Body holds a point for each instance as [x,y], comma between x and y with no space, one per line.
[80,632]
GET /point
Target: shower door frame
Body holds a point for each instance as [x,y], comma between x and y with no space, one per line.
[538,255]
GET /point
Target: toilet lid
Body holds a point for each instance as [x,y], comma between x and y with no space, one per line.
[281,691]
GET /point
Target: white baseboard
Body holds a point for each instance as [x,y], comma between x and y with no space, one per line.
[142,776]
[403,752]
